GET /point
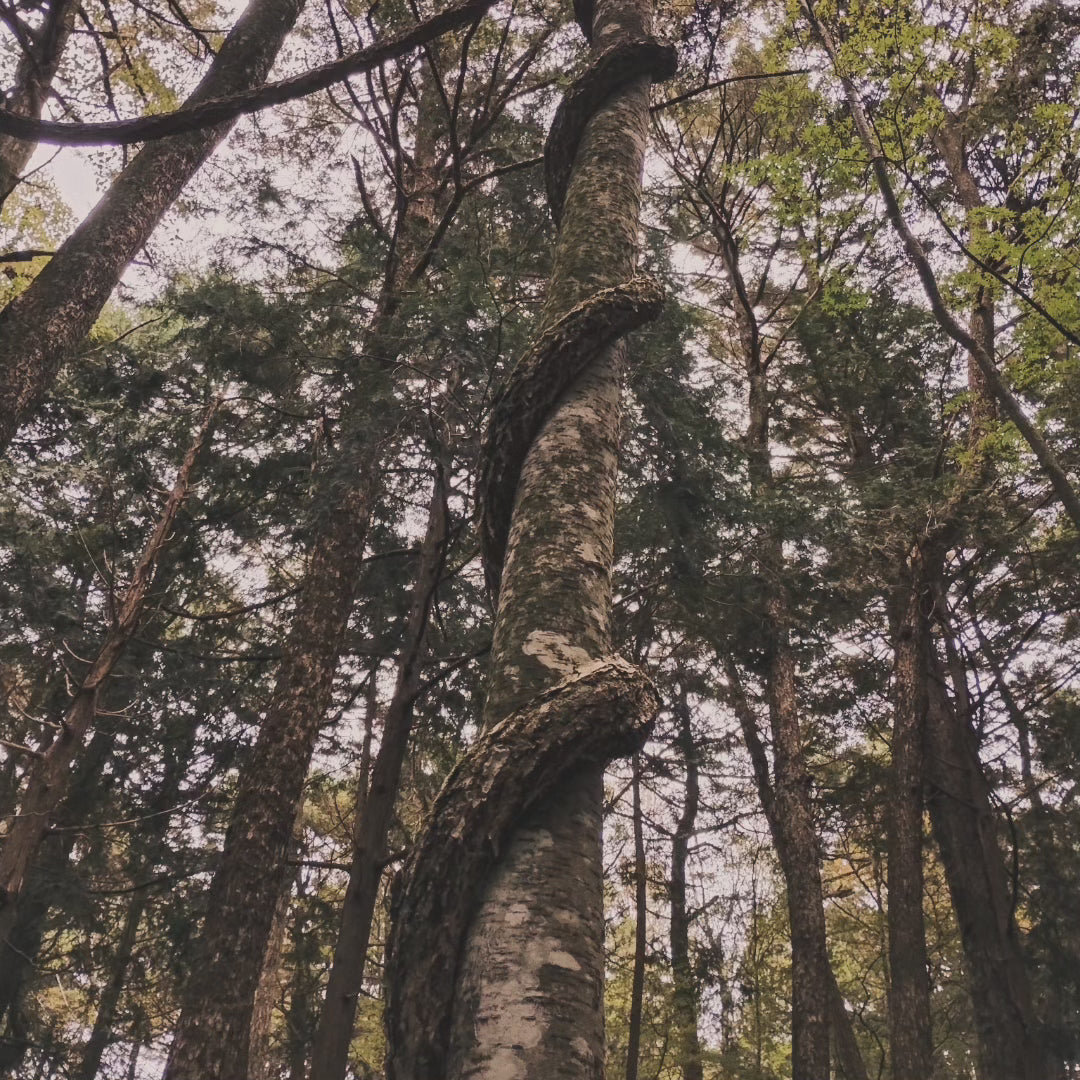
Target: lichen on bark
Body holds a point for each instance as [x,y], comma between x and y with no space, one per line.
[523,997]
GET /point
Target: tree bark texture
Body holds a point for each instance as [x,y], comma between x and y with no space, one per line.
[524,999]
[529,1000]
[33,78]
[910,1038]
[41,327]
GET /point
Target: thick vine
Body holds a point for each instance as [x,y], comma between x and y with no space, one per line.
[602,711]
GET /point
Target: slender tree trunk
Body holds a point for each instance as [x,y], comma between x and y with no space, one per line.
[847,1047]
[102,1031]
[375,810]
[151,847]
[684,986]
[43,325]
[641,928]
[33,78]
[910,1040]
[799,851]
[49,780]
[528,997]
[212,1037]
[19,948]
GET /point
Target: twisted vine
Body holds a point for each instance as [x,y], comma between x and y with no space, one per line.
[602,711]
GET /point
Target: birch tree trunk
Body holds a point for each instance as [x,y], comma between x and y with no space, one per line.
[528,999]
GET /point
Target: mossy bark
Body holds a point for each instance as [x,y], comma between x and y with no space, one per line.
[528,998]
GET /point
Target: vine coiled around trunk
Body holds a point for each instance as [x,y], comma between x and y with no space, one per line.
[602,711]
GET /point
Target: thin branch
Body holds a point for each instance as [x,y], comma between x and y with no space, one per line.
[705,88]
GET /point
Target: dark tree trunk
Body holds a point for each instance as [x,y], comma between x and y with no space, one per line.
[102,1032]
[784,836]
[41,327]
[910,1040]
[641,912]
[33,78]
[965,828]
[49,879]
[684,985]
[375,809]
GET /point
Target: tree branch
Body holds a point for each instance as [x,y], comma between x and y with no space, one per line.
[221,110]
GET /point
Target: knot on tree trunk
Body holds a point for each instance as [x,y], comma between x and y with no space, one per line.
[603,711]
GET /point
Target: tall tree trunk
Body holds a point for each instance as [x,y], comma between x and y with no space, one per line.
[375,810]
[212,1036]
[527,995]
[641,928]
[849,1057]
[798,849]
[684,986]
[41,326]
[910,1040]
[33,78]
[965,828]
